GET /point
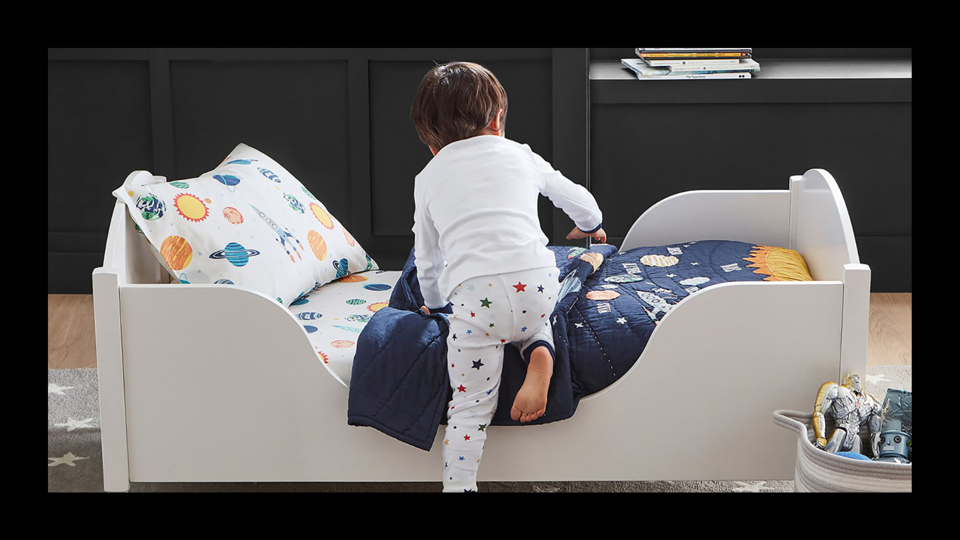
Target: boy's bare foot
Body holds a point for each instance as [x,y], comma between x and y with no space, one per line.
[531,401]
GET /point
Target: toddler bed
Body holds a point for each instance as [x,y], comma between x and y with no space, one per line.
[247,396]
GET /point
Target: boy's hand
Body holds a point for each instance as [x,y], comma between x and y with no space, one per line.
[599,235]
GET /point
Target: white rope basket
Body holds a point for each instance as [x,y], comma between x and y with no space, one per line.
[818,470]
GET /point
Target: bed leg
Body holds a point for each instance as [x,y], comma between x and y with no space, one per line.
[113,428]
[856,320]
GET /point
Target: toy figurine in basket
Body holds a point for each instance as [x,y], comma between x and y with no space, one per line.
[851,408]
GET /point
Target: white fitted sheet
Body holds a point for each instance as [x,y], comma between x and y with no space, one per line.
[336,313]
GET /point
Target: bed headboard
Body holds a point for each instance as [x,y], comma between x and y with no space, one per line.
[820,227]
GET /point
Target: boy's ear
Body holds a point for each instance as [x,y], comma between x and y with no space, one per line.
[496,124]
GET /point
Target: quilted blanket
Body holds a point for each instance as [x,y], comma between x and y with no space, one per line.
[608,306]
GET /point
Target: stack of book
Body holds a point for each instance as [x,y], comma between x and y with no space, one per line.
[678,63]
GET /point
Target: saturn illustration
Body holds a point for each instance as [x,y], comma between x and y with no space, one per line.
[235,254]
[228,180]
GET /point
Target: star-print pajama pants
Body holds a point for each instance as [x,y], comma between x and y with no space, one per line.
[489,313]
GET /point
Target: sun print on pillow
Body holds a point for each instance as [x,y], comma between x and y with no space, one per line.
[249,222]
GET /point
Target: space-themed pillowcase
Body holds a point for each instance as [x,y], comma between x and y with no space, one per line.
[249,222]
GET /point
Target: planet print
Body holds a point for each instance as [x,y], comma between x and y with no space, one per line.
[323,357]
[376,287]
[235,254]
[317,244]
[309,329]
[307,191]
[377,306]
[356,301]
[293,202]
[659,260]
[602,295]
[228,180]
[322,216]
[181,185]
[151,207]
[694,281]
[353,278]
[191,207]
[358,318]
[309,316]
[232,215]
[342,267]
[223,282]
[342,344]
[176,251]
[350,241]
[239,162]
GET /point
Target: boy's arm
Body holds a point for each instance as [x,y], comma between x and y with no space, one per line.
[428,257]
[572,198]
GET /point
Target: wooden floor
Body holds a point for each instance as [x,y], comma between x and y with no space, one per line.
[71,342]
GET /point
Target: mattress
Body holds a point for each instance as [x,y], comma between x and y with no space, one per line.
[336,313]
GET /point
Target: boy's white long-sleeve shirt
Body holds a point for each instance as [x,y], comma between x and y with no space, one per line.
[476,212]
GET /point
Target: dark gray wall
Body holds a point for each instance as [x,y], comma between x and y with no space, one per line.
[339,120]
[649,141]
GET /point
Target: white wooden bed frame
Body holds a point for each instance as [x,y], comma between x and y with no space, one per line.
[207,383]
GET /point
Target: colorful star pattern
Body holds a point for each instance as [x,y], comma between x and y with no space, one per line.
[487,332]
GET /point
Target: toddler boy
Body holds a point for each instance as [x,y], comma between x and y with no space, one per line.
[478,245]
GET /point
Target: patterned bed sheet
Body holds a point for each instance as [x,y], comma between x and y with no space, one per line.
[335,314]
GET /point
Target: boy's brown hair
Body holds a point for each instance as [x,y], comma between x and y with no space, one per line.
[456,101]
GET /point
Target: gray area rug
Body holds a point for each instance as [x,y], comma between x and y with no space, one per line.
[74,460]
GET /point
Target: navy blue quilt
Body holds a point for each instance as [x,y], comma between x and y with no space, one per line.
[609,304]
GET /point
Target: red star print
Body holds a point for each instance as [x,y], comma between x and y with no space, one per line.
[472,314]
[503,341]
[520,287]
[466,437]
[462,388]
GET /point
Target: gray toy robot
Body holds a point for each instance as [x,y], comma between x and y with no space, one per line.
[851,408]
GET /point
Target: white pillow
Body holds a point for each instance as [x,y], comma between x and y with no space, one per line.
[248,222]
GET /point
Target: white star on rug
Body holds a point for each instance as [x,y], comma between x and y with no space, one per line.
[579,325]
[874,379]
[622,320]
[54,388]
[755,487]
[67,459]
[74,424]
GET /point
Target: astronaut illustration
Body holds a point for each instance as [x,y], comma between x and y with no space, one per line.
[851,408]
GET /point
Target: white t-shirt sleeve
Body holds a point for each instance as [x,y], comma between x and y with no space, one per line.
[572,198]
[428,256]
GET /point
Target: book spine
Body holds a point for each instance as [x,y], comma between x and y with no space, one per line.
[710,69]
[695,55]
[680,76]
[701,62]
[693,49]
